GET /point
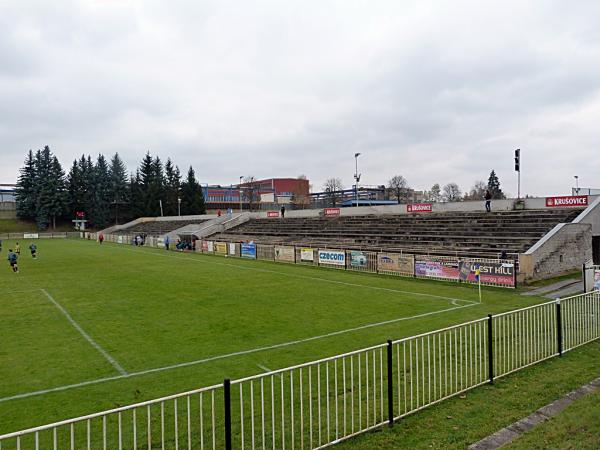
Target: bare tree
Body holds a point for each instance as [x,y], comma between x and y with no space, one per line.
[452,192]
[300,198]
[251,192]
[398,188]
[477,192]
[333,188]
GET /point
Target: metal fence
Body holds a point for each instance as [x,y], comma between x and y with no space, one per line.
[320,403]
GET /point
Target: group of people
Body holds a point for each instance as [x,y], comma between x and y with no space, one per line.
[13,256]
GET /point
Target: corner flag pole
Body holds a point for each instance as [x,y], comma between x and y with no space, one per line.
[478,275]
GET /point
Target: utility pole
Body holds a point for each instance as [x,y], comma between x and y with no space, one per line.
[518,170]
[240,186]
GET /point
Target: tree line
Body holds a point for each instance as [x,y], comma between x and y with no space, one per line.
[398,189]
[102,190]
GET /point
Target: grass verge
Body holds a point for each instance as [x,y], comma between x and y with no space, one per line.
[463,420]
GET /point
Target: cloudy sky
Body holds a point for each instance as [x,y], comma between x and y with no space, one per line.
[436,91]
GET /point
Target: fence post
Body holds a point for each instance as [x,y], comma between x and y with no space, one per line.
[390,384]
[559,343]
[490,349]
[227,395]
[584,272]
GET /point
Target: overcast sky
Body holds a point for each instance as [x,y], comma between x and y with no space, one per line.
[436,91]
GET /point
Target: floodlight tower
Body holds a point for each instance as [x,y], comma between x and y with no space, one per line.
[356,177]
[576,184]
[240,186]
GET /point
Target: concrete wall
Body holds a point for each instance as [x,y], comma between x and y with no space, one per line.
[497,205]
[564,248]
[591,215]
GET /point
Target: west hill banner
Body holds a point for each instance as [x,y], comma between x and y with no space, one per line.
[490,272]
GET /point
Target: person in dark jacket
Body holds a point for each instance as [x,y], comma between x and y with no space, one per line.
[12,260]
[488,200]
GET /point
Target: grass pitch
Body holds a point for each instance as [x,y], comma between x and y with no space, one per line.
[88,327]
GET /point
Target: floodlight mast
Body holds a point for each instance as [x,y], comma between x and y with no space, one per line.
[240,186]
[356,177]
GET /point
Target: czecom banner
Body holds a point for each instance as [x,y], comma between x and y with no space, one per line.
[332,257]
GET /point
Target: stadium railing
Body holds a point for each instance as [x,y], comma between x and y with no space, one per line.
[323,402]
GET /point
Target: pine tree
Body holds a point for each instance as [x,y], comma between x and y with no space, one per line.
[192,198]
[172,189]
[150,186]
[25,190]
[51,198]
[119,192]
[100,194]
[494,186]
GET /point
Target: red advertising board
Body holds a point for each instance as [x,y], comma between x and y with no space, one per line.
[419,207]
[331,212]
[570,200]
[271,214]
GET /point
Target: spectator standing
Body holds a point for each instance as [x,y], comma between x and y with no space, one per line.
[167,242]
[101,238]
[17,249]
[488,200]
[219,212]
[283,211]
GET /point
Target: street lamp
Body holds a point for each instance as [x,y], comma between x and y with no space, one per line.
[179,206]
[576,184]
[356,177]
[240,186]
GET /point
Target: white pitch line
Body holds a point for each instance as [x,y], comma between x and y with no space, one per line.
[306,277]
[87,337]
[228,355]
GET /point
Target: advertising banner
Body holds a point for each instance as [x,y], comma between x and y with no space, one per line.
[31,236]
[204,246]
[221,247]
[210,246]
[329,212]
[358,259]
[597,280]
[249,251]
[272,214]
[570,200]
[285,253]
[419,207]
[119,239]
[306,254]
[498,273]
[160,242]
[433,267]
[332,257]
[232,249]
[395,262]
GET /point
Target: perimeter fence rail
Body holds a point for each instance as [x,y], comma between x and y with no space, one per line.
[492,272]
[320,403]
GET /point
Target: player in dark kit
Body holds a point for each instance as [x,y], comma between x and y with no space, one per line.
[33,249]
[12,260]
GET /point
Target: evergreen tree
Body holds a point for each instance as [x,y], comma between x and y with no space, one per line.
[119,192]
[192,198]
[25,190]
[77,187]
[150,186]
[100,194]
[172,188]
[494,186]
[51,198]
